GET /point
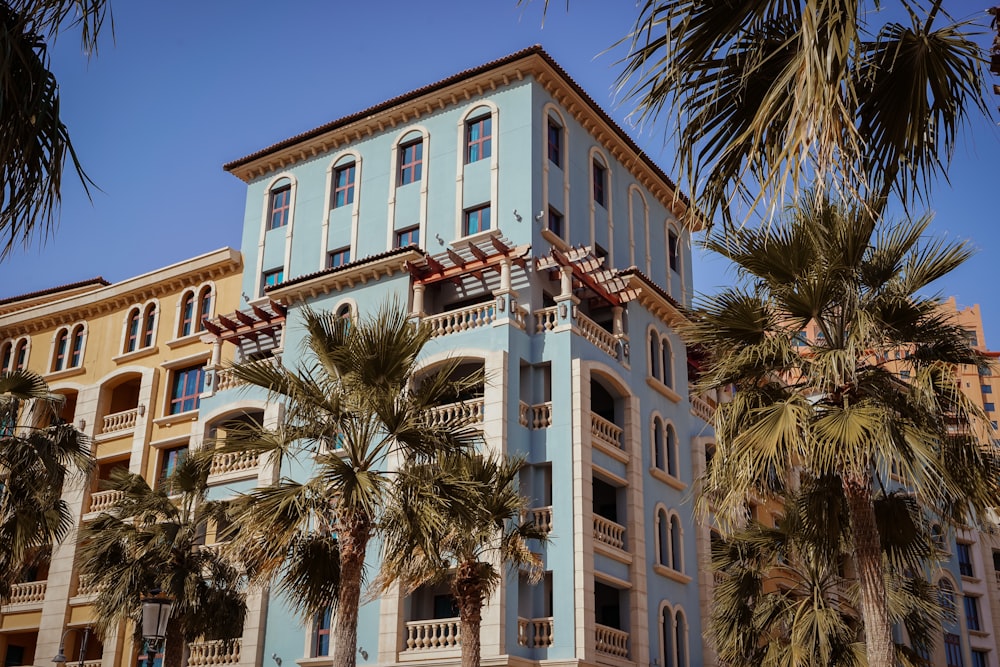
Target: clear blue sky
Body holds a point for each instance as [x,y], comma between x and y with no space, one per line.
[187,86]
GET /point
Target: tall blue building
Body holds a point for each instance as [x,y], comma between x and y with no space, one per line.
[506,209]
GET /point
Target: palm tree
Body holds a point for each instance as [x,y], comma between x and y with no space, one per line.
[39,453]
[153,539]
[833,403]
[765,95]
[34,142]
[457,520]
[355,406]
[781,596]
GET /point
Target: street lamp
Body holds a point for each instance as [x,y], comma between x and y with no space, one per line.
[60,659]
[155,615]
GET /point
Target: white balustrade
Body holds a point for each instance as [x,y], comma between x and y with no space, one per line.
[28,592]
[703,408]
[102,501]
[519,317]
[93,663]
[441,633]
[542,518]
[534,632]
[463,319]
[546,319]
[604,431]
[226,379]
[596,334]
[217,652]
[226,462]
[609,532]
[120,421]
[87,586]
[469,412]
[611,641]
[523,414]
[535,416]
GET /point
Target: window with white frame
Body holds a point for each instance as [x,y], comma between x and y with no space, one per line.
[67,349]
[196,307]
[661,361]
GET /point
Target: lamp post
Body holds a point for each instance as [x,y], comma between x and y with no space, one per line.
[60,659]
[155,616]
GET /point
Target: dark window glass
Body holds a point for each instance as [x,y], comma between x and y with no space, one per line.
[408,236]
[343,185]
[411,160]
[76,356]
[185,389]
[555,222]
[555,143]
[187,314]
[280,204]
[477,220]
[673,247]
[964,559]
[337,258]
[478,139]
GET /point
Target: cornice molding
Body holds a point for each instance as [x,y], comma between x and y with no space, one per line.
[301,291]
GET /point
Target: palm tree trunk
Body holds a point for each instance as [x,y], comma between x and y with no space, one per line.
[173,645]
[469,597]
[354,532]
[871,571]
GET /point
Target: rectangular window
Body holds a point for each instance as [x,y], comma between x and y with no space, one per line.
[987,388]
[952,650]
[338,257]
[800,339]
[476,220]
[411,162]
[478,139]
[169,460]
[321,638]
[972,613]
[185,388]
[280,204]
[555,143]
[964,559]
[408,236]
[343,185]
[272,278]
[904,375]
[600,185]
[980,658]
[673,248]
[555,222]
[989,407]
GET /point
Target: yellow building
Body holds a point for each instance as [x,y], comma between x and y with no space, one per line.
[130,361]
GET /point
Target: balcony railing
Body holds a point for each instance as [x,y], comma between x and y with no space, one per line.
[535,416]
[29,592]
[467,412]
[441,633]
[611,641]
[463,319]
[120,421]
[218,652]
[225,379]
[598,335]
[606,432]
[102,501]
[609,532]
[703,408]
[546,319]
[93,663]
[86,586]
[227,462]
[534,632]
[542,518]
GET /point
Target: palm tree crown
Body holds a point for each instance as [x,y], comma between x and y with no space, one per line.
[357,408]
[832,403]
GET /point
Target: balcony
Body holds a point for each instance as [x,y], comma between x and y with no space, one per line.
[547,319]
[28,595]
[462,319]
[104,501]
[542,518]
[534,632]
[119,422]
[535,416]
[611,641]
[605,432]
[234,464]
[226,379]
[467,412]
[609,532]
[433,634]
[217,652]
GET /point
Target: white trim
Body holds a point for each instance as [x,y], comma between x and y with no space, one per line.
[470,113]
[633,188]
[550,109]
[592,157]
[425,138]
[331,170]
[265,209]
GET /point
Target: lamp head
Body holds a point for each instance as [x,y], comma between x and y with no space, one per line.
[155,615]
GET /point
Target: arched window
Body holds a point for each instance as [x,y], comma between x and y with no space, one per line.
[670,448]
[279,204]
[61,350]
[662,538]
[187,314]
[204,307]
[946,596]
[132,330]
[6,356]
[76,347]
[667,367]
[680,637]
[659,454]
[669,637]
[148,325]
[21,355]
[676,547]
[654,354]
[344,311]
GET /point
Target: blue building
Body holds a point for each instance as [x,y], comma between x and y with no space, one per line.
[504,207]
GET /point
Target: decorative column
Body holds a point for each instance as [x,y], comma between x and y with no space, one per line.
[566,301]
[418,300]
[505,297]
